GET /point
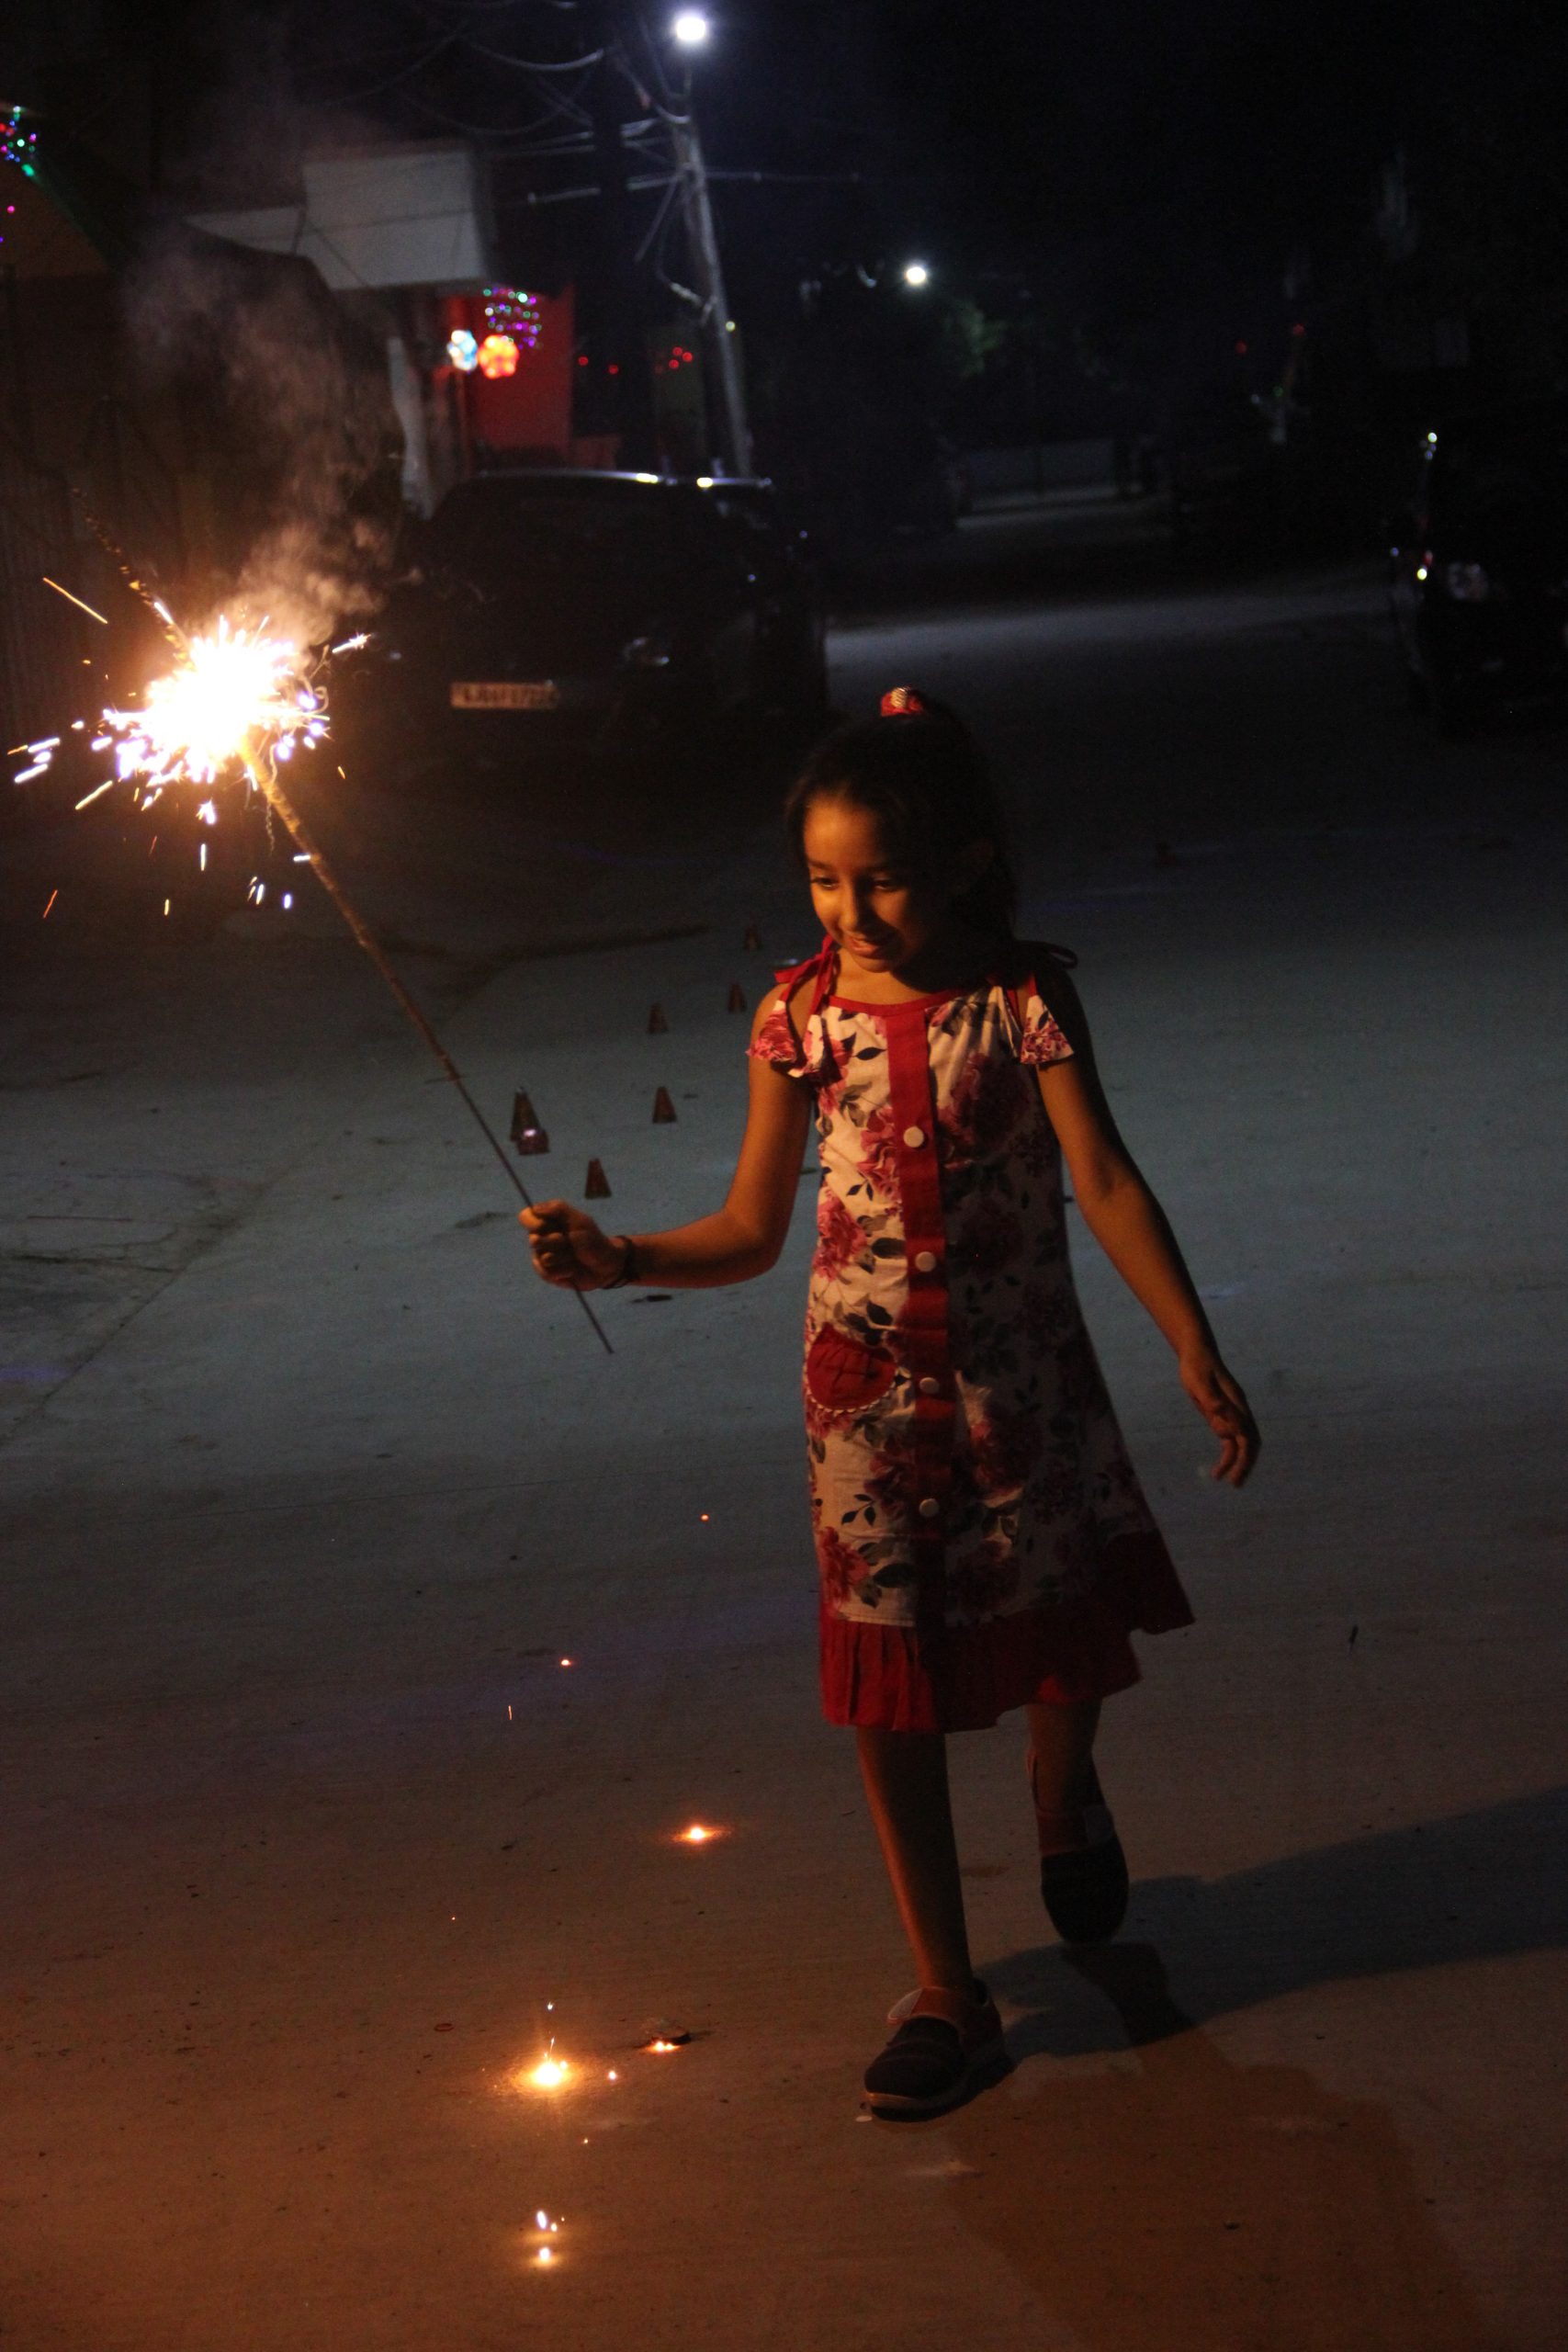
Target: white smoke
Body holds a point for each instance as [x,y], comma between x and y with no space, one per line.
[293,398]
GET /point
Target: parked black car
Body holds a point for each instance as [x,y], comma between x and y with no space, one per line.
[1478,564]
[620,608]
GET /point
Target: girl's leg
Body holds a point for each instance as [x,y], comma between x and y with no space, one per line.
[1062,1738]
[905,1785]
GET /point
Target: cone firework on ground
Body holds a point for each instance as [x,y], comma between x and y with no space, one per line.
[526,1133]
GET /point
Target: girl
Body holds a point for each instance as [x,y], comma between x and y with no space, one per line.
[982,1540]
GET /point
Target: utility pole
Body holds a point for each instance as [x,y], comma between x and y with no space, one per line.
[726,389]
[626,337]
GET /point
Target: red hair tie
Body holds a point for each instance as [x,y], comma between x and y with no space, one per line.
[904,702]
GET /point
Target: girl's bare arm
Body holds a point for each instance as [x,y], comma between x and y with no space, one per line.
[1132,1229]
[743,1239]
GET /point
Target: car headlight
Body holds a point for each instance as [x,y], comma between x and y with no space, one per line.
[1467,583]
[647,652]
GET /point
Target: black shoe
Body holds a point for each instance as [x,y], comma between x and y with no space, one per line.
[1085,1890]
[943,2050]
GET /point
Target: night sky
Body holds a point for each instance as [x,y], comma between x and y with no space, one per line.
[1164,180]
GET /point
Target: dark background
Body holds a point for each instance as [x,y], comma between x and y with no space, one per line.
[1110,199]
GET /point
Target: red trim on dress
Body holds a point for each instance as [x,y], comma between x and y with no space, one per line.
[923,1326]
[903,1003]
[902,1678]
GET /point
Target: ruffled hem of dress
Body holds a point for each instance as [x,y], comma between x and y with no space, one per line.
[962,1678]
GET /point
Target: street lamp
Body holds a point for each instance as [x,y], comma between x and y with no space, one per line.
[916,274]
[691,28]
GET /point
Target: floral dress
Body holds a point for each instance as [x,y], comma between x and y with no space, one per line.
[982,1538]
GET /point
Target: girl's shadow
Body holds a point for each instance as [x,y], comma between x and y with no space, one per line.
[1477,1886]
[1175,2199]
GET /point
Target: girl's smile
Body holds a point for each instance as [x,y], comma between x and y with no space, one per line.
[881,910]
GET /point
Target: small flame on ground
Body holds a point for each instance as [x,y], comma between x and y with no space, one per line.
[699,1834]
[550,2074]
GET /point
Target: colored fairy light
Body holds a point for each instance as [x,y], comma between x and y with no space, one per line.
[497,357]
[463,350]
[16,144]
[513,311]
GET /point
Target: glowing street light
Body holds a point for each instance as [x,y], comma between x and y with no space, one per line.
[691,28]
[916,274]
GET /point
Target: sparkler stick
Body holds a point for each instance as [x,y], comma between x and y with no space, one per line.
[264,775]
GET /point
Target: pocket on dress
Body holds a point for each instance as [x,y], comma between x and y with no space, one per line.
[842,1375]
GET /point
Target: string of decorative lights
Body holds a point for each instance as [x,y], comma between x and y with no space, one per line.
[16,142]
[511,311]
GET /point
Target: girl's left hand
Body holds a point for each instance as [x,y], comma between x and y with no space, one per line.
[1220,1400]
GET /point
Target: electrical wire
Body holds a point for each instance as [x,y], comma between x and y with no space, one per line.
[377,89]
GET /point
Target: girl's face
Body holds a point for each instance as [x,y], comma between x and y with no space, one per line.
[878,908]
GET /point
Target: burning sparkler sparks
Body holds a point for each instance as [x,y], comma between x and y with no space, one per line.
[547,2228]
[238,700]
[550,2074]
[236,692]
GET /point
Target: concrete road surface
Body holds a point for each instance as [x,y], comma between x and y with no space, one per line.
[370,1636]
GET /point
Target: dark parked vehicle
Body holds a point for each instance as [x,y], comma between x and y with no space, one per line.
[1478,564]
[620,608]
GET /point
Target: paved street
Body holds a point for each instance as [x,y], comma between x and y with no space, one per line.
[314,1842]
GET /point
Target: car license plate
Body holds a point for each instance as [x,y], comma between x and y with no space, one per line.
[505,694]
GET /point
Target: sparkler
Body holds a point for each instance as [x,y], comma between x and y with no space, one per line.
[240,698]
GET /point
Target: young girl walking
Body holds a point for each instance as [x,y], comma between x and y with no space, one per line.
[982,1538]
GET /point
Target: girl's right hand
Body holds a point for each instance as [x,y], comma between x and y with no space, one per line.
[569,1249]
[1218,1396]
